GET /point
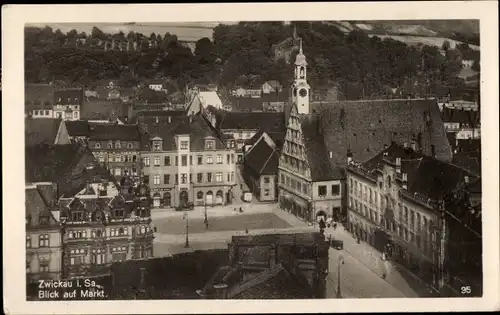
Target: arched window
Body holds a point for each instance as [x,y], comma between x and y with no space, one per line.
[121,231]
[219,193]
[43,240]
[143,229]
[199,195]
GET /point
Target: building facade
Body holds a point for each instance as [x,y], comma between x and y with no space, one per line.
[43,235]
[68,103]
[117,147]
[101,225]
[186,163]
[397,207]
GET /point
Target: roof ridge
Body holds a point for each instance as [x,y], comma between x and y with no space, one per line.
[257,279]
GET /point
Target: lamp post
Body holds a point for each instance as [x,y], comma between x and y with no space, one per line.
[341,261]
[206,217]
[187,229]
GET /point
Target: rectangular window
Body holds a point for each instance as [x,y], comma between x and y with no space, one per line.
[166,178]
[335,190]
[219,158]
[28,241]
[44,266]
[322,191]
[190,160]
[232,158]
[200,159]
[167,161]
[156,180]
[282,178]
[184,145]
[190,177]
[146,179]
[183,178]
[232,176]
[209,144]
[228,177]
[157,161]
[266,192]
[146,161]
[218,177]
[176,179]
[184,160]
[118,171]
[266,180]
[119,257]
[209,177]
[199,177]
[228,158]
[209,159]
[176,160]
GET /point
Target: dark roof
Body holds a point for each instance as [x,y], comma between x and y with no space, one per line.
[467,145]
[37,207]
[263,159]
[115,132]
[245,104]
[41,130]
[195,126]
[364,127]
[274,283]
[452,138]
[283,239]
[317,156]
[470,161]
[266,121]
[427,176]
[458,116]
[38,96]
[69,96]
[78,128]
[149,116]
[103,110]
[282,96]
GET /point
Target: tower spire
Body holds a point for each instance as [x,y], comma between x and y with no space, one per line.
[300,49]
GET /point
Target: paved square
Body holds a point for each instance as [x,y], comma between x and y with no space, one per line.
[237,221]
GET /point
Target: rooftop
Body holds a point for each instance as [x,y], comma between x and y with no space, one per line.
[114,132]
[262,159]
[41,131]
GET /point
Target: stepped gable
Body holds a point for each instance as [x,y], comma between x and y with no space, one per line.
[41,131]
[364,127]
[320,164]
[37,208]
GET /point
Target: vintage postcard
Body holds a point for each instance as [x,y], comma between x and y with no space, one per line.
[230,158]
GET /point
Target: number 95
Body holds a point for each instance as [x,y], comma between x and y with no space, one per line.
[465,290]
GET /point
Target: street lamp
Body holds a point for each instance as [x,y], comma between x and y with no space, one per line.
[206,217]
[187,229]
[341,261]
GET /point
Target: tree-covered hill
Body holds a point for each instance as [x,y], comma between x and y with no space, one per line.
[242,54]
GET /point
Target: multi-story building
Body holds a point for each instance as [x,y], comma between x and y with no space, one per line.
[117,147]
[321,137]
[68,103]
[185,162]
[102,225]
[43,234]
[238,127]
[399,202]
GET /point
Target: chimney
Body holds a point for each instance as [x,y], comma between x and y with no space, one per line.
[466,179]
[156,119]
[169,119]
[413,145]
[126,119]
[404,179]
[349,157]
[398,165]
[220,291]
[405,145]
[331,154]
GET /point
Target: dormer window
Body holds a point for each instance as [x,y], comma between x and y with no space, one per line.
[156,146]
[110,145]
[209,144]
[97,145]
[119,214]
[184,145]
[77,216]
[117,144]
[129,146]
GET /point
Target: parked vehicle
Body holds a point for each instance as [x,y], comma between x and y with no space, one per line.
[337,244]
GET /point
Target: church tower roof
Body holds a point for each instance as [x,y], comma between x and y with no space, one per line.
[300,60]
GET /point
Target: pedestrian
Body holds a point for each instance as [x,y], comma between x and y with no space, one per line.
[246,230]
[241,210]
[334,226]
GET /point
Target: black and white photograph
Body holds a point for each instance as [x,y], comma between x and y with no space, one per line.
[287,159]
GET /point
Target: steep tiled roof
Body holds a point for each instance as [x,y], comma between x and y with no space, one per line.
[458,116]
[467,145]
[426,175]
[42,130]
[114,132]
[69,96]
[245,104]
[282,96]
[36,207]
[364,127]
[318,158]
[263,159]
[470,161]
[78,128]
[273,283]
[149,116]
[195,126]
[266,121]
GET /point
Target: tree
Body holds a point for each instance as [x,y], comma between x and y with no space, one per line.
[476,66]
[446,46]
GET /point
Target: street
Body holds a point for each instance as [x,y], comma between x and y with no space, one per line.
[360,275]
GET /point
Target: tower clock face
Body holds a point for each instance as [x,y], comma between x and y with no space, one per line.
[303,92]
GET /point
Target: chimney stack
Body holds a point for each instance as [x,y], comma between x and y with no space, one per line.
[413,145]
[349,157]
[157,119]
[404,179]
[466,179]
[331,154]
[169,119]
[405,145]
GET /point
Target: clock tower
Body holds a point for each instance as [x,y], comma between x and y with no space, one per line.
[300,88]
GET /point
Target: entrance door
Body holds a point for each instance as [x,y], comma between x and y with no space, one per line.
[209,198]
[183,198]
[156,202]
